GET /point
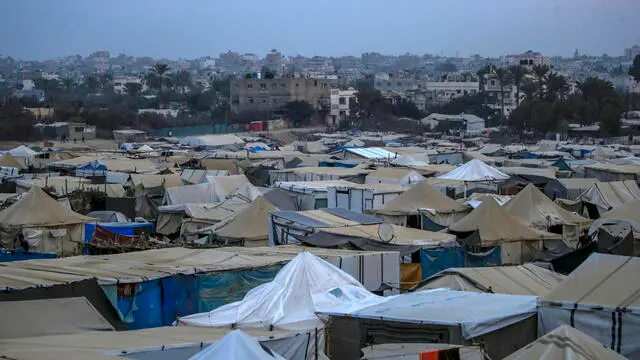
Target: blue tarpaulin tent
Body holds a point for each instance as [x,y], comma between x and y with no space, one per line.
[435,260]
[20,254]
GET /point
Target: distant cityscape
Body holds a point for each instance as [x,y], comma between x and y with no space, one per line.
[246,87]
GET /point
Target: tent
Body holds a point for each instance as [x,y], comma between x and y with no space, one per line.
[43,223]
[475,170]
[527,279]
[237,345]
[410,160]
[627,213]
[423,199]
[565,343]
[398,176]
[8,160]
[22,152]
[50,317]
[502,323]
[249,226]
[569,189]
[301,288]
[535,209]
[225,185]
[145,148]
[495,226]
[604,196]
[599,298]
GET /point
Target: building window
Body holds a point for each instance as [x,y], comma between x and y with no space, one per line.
[343,113]
[250,100]
[249,86]
[315,82]
[493,83]
[458,91]
[325,85]
[274,85]
[297,85]
[283,85]
[342,101]
[263,86]
[399,83]
[264,101]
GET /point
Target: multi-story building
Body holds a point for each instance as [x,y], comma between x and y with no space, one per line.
[440,92]
[269,94]
[120,82]
[400,83]
[632,52]
[339,100]
[495,92]
[528,59]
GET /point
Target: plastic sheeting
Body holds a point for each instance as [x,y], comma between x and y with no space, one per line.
[476,313]
[305,285]
[237,346]
[436,260]
[20,254]
[474,170]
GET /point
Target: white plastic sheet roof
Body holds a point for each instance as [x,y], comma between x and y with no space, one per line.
[236,346]
[373,153]
[474,170]
[301,288]
[476,313]
[22,151]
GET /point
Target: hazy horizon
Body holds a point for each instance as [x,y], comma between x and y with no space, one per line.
[45,29]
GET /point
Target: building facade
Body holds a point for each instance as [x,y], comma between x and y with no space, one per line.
[339,100]
[442,92]
[119,83]
[269,94]
[386,83]
[528,59]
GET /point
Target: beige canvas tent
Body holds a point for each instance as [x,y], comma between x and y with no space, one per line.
[423,198]
[535,209]
[7,160]
[527,279]
[491,225]
[43,223]
[565,343]
[249,226]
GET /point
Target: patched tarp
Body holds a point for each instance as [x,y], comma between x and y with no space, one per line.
[435,260]
[328,240]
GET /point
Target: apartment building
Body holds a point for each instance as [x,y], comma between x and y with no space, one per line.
[339,100]
[441,92]
[269,94]
[528,59]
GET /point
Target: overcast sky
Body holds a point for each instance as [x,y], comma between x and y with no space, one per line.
[39,29]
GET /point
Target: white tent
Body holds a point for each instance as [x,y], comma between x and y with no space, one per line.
[474,170]
[411,160]
[145,148]
[305,285]
[22,151]
[236,346]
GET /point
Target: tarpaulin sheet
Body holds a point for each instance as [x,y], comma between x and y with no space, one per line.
[20,254]
[410,275]
[217,289]
[179,296]
[117,228]
[139,305]
[328,240]
[435,260]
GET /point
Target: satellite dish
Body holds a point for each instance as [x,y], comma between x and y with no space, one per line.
[386,232]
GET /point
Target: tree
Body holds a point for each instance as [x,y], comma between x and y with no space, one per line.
[267,73]
[540,72]
[133,89]
[529,89]
[16,124]
[92,83]
[370,103]
[183,81]
[300,112]
[159,71]
[518,74]
[634,70]
[504,79]
[407,108]
[69,85]
[596,93]
[446,67]
[557,87]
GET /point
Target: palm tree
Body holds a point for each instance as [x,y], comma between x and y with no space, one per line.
[133,89]
[105,81]
[541,74]
[92,83]
[503,78]
[529,89]
[159,71]
[183,81]
[518,74]
[596,92]
[557,86]
[68,84]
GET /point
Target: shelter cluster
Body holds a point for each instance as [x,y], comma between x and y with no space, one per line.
[345,245]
